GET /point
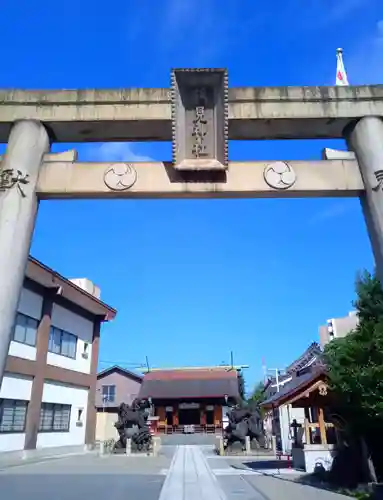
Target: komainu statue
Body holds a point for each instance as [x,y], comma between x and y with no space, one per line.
[244,422]
[131,424]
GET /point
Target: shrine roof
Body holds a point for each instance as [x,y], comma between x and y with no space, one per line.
[308,357]
[190,383]
[296,385]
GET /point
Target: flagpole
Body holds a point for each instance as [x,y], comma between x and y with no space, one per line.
[341,75]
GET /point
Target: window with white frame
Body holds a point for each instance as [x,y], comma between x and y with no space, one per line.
[54,417]
[13,414]
[62,342]
[25,330]
[108,393]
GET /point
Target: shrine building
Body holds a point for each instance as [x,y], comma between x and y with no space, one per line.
[191,399]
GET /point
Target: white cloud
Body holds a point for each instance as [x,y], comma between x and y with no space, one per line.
[113,151]
[203,23]
[365,64]
[343,8]
[120,151]
[206,30]
[331,212]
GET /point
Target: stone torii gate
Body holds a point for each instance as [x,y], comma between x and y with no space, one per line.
[199,114]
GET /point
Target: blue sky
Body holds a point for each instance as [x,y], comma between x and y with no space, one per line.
[193,279]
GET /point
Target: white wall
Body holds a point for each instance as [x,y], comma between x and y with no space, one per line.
[14,387]
[22,350]
[30,304]
[286,415]
[55,392]
[105,428]
[77,325]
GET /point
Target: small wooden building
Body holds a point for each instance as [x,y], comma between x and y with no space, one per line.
[277,421]
[315,443]
[197,397]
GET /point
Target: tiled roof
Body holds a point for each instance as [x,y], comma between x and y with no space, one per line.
[191,374]
[201,383]
[296,384]
[123,371]
[309,356]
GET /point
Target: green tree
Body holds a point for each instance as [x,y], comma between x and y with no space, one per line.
[241,384]
[356,362]
[258,395]
[355,365]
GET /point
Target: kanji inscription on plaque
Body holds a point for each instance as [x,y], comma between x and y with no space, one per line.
[200,119]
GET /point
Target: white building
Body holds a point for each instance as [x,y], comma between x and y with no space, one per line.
[47,397]
[338,327]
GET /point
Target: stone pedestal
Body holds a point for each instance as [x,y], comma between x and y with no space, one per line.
[318,455]
[298,458]
[219,446]
[102,450]
[248,447]
[128,447]
[156,445]
[365,138]
[19,170]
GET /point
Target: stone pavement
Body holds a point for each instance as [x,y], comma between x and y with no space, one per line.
[188,439]
[9,459]
[190,477]
[86,476]
[188,472]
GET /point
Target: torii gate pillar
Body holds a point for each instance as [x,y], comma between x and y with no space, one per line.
[28,142]
[365,138]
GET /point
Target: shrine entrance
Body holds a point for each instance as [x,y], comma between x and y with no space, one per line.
[199,114]
[189,416]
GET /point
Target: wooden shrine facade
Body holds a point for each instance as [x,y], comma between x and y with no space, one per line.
[310,391]
[191,400]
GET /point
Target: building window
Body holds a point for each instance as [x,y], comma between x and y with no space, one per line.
[25,329]
[54,417]
[63,343]
[13,414]
[108,393]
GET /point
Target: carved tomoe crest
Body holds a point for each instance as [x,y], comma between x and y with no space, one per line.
[322,390]
[120,176]
[279,175]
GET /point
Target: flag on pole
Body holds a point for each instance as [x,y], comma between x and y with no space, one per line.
[341,75]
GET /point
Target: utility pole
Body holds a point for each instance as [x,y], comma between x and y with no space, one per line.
[277,372]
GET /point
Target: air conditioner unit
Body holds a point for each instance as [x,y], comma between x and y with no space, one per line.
[88,286]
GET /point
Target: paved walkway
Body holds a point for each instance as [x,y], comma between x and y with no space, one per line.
[194,475]
[190,477]
[188,472]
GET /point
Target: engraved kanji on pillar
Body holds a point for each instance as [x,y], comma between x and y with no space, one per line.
[10,178]
[200,119]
